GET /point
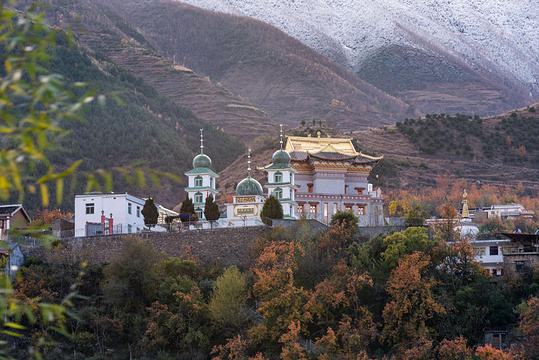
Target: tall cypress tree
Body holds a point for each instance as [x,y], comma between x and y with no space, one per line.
[272,208]
[211,210]
[150,213]
[187,208]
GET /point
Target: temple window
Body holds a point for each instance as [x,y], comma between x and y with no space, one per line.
[313,209]
[198,181]
[198,197]
[278,177]
[360,210]
[310,188]
[278,193]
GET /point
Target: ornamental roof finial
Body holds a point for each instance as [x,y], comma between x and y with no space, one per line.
[281,141]
[201,141]
[249,163]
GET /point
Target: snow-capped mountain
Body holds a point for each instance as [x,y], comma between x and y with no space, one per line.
[497,40]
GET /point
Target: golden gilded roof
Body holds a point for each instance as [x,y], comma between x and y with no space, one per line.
[314,145]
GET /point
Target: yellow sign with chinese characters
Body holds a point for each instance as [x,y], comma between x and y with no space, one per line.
[244,199]
[246,210]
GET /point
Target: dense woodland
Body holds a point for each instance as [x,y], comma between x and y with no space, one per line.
[133,125]
[406,295]
[514,139]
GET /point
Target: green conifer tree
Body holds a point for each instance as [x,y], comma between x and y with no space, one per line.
[211,210]
[272,209]
[187,208]
[150,213]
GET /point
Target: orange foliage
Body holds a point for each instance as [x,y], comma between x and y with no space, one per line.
[529,327]
[449,190]
[292,350]
[234,349]
[411,303]
[281,301]
[454,349]
[487,352]
[46,216]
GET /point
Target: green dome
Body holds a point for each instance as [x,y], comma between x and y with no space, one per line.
[248,186]
[202,161]
[281,157]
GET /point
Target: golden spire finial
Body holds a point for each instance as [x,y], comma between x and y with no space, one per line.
[318,133]
[465,211]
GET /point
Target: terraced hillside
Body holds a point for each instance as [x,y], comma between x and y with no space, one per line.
[278,74]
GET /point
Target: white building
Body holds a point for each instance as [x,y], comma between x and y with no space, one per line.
[106,214]
[490,254]
[508,211]
[281,177]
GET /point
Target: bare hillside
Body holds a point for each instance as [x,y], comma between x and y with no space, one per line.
[278,74]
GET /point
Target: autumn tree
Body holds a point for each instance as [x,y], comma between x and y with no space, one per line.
[339,309]
[346,218]
[456,349]
[281,302]
[411,303]
[446,227]
[487,352]
[529,327]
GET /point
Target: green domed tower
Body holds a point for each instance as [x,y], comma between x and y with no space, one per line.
[249,186]
[281,180]
[202,180]
[247,204]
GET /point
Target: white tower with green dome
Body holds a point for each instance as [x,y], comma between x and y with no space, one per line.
[201,180]
[247,204]
[281,180]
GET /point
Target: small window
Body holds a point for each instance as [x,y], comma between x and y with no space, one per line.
[278,193]
[519,266]
[493,250]
[211,182]
[138,211]
[90,208]
[292,178]
[198,181]
[335,208]
[312,209]
[198,197]
[310,188]
[360,210]
[346,189]
[290,209]
[347,208]
[129,229]
[278,177]
[138,229]
[129,206]
[300,209]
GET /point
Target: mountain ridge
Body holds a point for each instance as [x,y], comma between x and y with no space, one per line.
[492,42]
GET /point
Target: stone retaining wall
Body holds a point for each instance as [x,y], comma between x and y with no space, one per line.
[227,246]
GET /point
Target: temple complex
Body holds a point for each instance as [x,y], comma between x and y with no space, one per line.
[331,176]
